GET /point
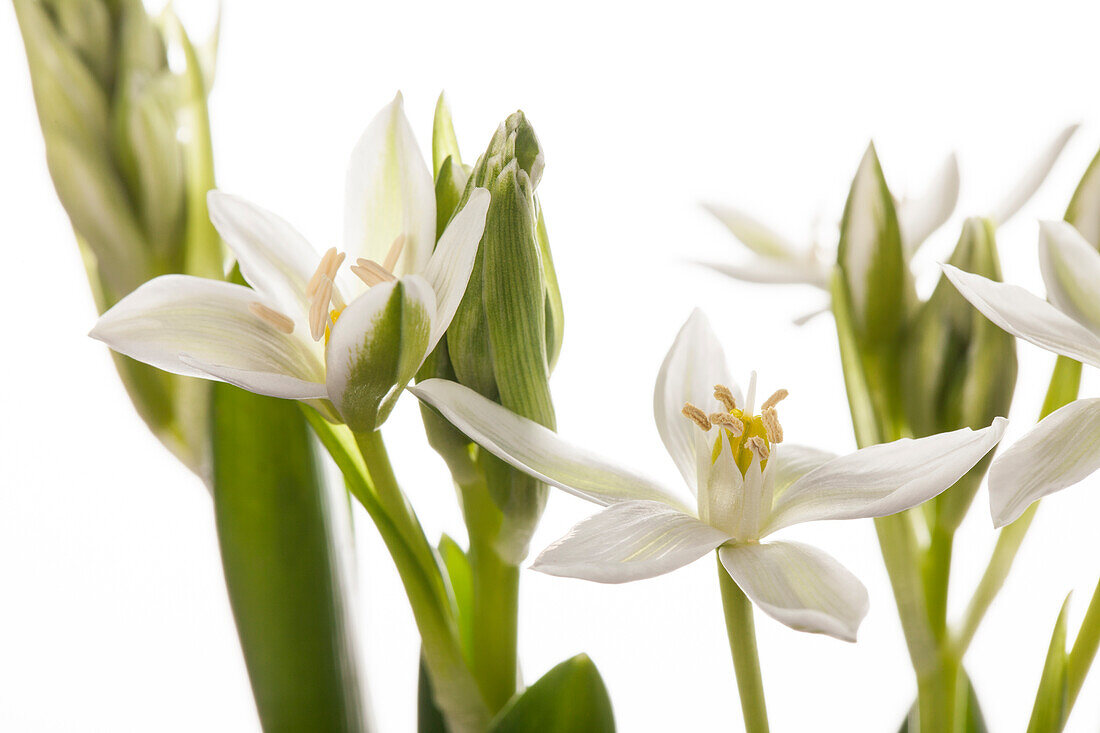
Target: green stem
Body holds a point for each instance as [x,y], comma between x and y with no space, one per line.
[937,576]
[494,626]
[746,661]
[1084,650]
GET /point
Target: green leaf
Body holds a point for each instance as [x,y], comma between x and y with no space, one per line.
[1049,712]
[570,698]
[444,142]
[974,720]
[278,531]
[555,315]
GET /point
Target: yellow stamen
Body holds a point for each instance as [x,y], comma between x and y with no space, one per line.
[394,253]
[271,317]
[723,394]
[323,268]
[696,415]
[318,309]
[778,396]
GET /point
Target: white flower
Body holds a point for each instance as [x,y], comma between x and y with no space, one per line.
[1064,447]
[746,487]
[778,260]
[309,329]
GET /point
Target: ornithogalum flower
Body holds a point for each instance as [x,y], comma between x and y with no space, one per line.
[309,328]
[747,484]
[1064,447]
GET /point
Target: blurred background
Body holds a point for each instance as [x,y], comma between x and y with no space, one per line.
[113,613]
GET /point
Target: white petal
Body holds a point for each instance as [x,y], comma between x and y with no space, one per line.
[389,193]
[537,451]
[1071,271]
[376,346]
[758,237]
[1084,208]
[208,322]
[721,487]
[265,383]
[1027,316]
[884,479]
[799,586]
[628,541]
[1061,450]
[790,462]
[691,369]
[920,216]
[804,271]
[1032,178]
[448,270]
[275,259]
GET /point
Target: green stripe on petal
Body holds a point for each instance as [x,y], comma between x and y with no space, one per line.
[377,344]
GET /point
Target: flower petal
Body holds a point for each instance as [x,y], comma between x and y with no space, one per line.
[537,451]
[209,323]
[448,270]
[275,259]
[1071,271]
[799,586]
[1033,177]
[804,271]
[265,383]
[693,366]
[790,462]
[389,193]
[632,540]
[920,216]
[1061,450]
[758,237]
[883,479]
[375,348]
[1027,316]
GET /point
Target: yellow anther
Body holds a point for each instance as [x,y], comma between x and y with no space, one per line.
[272,317]
[696,415]
[723,394]
[394,253]
[777,396]
[770,418]
[323,269]
[758,446]
[318,309]
[725,420]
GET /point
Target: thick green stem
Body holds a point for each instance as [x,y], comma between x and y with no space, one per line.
[937,576]
[495,612]
[746,661]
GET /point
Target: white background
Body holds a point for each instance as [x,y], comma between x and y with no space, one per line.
[113,613]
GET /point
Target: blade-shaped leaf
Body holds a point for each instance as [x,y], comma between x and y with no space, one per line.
[280,537]
[1049,712]
[570,698]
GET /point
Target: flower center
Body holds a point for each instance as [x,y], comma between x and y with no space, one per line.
[748,436]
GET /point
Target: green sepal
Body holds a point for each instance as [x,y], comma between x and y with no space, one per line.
[555,315]
[445,439]
[444,141]
[384,357]
[861,402]
[570,698]
[278,530]
[450,183]
[88,28]
[1048,714]
[1083,211]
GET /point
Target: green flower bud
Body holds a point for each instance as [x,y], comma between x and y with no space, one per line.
[960,368]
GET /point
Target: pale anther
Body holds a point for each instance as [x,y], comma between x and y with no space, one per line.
[777,396]
[696,415]
[394,253]
[322,270]
[770,418]
[318,309]
[371,273]
[729,422]
[271,317]
[723,394]
[758,446]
